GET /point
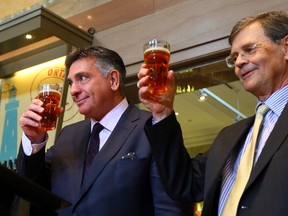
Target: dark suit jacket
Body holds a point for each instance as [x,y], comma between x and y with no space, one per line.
[267,190]
[115,186]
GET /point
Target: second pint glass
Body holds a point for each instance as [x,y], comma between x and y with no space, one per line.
[157,57]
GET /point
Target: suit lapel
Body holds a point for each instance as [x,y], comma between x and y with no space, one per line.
[273,143]
[80,147]
[226,142]
[112,146]
[231,140]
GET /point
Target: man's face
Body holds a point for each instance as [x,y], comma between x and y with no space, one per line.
[261,65]
[89,89]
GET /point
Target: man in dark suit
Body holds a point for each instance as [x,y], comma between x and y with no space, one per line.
[122,179]
[259,54]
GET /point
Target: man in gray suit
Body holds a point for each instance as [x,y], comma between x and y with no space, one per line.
[122,179]
[259,54]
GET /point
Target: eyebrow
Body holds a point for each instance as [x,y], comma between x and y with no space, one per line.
[244,46]
[80,73]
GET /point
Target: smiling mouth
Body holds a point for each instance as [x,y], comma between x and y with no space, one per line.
[247,73]
[80,101]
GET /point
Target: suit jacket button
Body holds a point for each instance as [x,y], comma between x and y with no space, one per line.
[244,207]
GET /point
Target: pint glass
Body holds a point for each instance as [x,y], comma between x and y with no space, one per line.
[50,94]
[157,57]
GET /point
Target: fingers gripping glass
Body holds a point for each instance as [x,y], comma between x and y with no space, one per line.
[247,52]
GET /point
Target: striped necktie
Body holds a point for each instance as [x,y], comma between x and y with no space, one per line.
[245,166]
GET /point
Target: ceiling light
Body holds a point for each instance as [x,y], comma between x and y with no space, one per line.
[89,17]
[29,36]
[203,96]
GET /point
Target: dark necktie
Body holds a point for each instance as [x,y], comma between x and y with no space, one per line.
[93,146]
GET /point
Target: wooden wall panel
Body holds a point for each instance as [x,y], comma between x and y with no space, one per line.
[193,28]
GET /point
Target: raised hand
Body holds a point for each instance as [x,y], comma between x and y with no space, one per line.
[160,105]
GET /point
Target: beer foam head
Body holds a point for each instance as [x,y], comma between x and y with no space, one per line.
[50,88]
[162,49]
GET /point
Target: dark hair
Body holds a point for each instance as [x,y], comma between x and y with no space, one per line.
[105,61]
[274,23]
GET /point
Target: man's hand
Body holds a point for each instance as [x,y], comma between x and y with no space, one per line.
[29,122]
[161,106]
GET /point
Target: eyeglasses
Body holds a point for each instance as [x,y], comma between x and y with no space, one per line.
[247,52]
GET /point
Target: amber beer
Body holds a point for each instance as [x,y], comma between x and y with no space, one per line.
[156,57]
[50,95]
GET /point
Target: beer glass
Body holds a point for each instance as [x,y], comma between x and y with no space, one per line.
[50,94]
[157,57]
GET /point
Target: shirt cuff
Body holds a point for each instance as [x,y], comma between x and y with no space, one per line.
[32,148]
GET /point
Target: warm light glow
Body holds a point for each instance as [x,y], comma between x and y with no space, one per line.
[89,17]
[28,36]
[202,98]
[41,66]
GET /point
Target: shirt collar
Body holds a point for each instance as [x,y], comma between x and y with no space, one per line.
[110,120]
[277,101]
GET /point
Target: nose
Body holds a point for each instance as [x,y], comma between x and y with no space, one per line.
[240,60]
[74,89]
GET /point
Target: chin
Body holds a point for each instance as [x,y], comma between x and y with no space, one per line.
[82,111]
[86,113]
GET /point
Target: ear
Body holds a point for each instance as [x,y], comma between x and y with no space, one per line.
[114,77]
[285,41]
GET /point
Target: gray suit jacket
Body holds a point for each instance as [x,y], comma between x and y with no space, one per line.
[116,185]
[266,193]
